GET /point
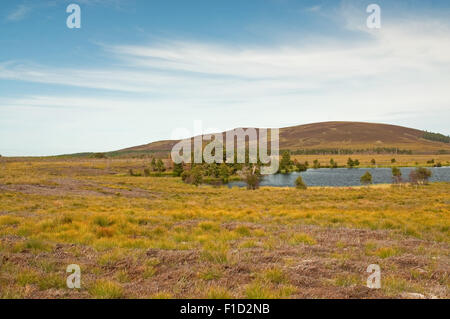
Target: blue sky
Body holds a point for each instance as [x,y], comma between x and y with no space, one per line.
[137,71]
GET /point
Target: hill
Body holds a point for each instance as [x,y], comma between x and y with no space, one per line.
[339,135]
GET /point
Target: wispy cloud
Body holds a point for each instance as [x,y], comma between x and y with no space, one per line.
[19,13]
[193,69]
[314,8]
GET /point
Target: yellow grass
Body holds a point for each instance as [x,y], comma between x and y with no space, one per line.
[128,233]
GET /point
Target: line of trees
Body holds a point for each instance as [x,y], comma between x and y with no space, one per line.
[418,176]
[436,137]
[339,151]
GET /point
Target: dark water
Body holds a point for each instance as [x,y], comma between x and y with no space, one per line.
[344,177]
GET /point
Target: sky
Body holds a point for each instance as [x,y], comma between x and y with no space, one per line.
[141,71]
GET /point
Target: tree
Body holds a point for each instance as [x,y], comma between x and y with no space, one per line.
[224,172]
[153,164]
[396,175]
[350,163]
[299,183]
[420,175]
[393,160]
[194,176]
[373,162]
[285,162]
[301,167]
[366,179]
[160,166]
[177,169]
[251,176]
[333,163]
[316,164]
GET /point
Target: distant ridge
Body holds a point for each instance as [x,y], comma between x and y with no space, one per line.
[338,135]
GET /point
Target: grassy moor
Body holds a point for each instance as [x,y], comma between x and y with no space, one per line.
[157,237]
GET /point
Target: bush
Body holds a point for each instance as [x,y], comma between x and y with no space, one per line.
[316,164]
[420,175]
[285,162]
[177,169]
[251,176]
[301,167]
[299,183]
[153,164]
[366,179]
[160,166]
[333,163]
[193,176]
[352,163]
[396,175]
[224,172]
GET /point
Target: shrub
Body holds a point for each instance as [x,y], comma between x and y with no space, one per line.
[153,164]
[177,169]
[420,175]
[352,163]
[285,162]
[393,160]
[301,167]
[193,176]
[316,164]
[373,162]
[366,178]
[396,175]
[333,163]
[224,172]
[251,176]
[160,167]
[299,183]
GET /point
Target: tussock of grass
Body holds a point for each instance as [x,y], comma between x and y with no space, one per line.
[210,274]
[161,295]
[261,290]
[27,277]
[300,238]
[274,275]
[347,280]
[218,293]
[104,289]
